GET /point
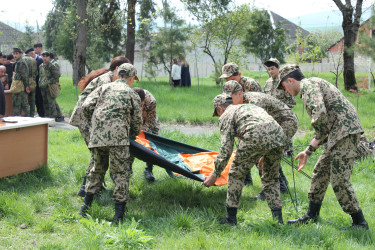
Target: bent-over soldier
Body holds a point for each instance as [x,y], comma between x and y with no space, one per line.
[279,111]
[261,137]
[336,121]
[115,113]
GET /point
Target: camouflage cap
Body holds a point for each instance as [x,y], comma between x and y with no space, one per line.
[228,70]
[231,86]
[272,62]
[284,71]
[129,69]
[219,100]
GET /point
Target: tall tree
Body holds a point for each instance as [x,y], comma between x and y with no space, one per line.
[350,25]
[28,38]
[130,36]
[79,59]
[262,39]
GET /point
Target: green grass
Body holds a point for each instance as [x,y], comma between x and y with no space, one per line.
[194,105]
[172,213]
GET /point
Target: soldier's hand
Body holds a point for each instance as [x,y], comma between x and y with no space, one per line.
[315,143]
[209,180]
[302,159]
[261,162]
[27,90]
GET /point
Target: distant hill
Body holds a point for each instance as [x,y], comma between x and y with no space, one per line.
[322,21]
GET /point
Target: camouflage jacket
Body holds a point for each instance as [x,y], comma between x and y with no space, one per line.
[149,116]
[275,108]
[21,71]
[115,113]
[77,118]
[331,113]
[31,64]
[257,129]
[285,97]
[54,62]
[250,85]
[48,74]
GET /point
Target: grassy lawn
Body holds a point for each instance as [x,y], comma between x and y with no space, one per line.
[172,213]
[194,105]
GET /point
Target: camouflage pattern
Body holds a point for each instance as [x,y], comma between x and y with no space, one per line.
[21,72]
[55,63]
[332,115]
[284,71]
[20,104]
[115,113]
[120,171]
[364,149]
[279,111]
[78,119]
[271,61]
[336,165]
[270,88]
[260,135]
[129,69]
[250,85]
[33,72]
[149,116]
[48,74]
[228,70]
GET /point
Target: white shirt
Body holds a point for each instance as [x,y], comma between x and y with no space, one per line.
[176,72]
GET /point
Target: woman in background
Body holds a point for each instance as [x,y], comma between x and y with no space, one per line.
[185,74]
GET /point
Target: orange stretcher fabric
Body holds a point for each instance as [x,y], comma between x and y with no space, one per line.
[204,162]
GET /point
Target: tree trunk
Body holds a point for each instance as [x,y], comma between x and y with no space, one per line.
[79,58]
[350,26]
[130,34]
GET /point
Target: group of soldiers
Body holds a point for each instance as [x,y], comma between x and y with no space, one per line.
[109,112]
[265,124]
[27,77]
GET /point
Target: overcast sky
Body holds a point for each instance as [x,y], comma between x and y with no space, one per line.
[33,11]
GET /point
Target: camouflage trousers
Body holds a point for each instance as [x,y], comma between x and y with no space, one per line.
[120,159]
[336,166]
[20,104]
[243,161]
[85,132]
[31,97]
[51,108]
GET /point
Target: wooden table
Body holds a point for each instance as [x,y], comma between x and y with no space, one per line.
[23,145]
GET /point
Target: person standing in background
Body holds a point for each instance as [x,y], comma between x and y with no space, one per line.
[38,93]
[185,74]
[176,73]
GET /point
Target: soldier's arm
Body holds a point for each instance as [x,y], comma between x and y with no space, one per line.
[23,74]
[88,106]
[151,117]
[256,86]
[318,112]
[227,142]
[135,116]
[54,74]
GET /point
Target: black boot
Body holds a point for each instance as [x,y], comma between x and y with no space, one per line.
[231,218]
[359,220]
[86,204]
[248,179]
[148,173]
[259,196]
[312,215]
[82,191]
[283,182]
[119,212]
[278,215]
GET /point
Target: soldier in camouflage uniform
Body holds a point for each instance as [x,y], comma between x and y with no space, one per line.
[49,74]
[33,72]
[282,114]
[21,72]
[150,124]
[335,120]
[273,67]
[51,58]
[230,71]
[115,113]
[78,119]
[261,137]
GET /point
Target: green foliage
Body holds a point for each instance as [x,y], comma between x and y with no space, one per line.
[105,30]
[262,39]
[28,38]
[146,18]
[168,43]
[366,44]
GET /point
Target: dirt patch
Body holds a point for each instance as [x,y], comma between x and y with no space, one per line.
[189,129]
